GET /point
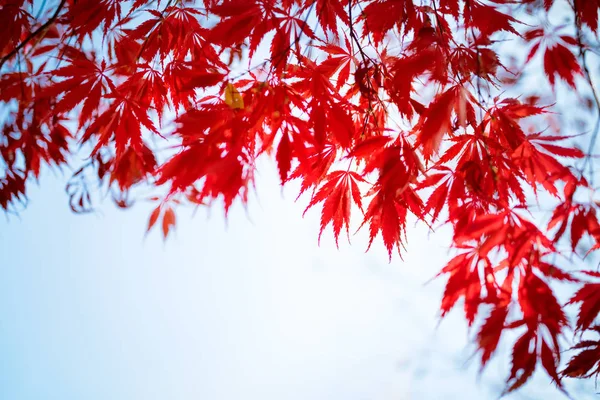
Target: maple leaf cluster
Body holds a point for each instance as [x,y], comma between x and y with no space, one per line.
[385,110]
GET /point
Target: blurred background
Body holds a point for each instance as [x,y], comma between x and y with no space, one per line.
[245,307]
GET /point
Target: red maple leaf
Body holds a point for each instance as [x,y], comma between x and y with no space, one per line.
[339,191]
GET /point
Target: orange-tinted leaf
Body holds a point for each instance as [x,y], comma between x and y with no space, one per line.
[558,60]
[153,218]
[168,221]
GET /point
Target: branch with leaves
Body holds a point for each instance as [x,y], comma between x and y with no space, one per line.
[385,110]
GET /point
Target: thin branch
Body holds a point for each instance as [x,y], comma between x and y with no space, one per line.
[33,34]
[39,13]
[367,60]
[588,77]
[364,56]
[145,43]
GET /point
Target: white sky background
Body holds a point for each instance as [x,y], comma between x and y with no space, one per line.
[249,309]
[252,310]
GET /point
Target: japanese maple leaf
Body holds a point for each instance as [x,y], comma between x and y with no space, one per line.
[148,87]
[229,177]
[539,168]
[339,59]
[132,166]
[437,199]
[14,19]
[586,363]
[539,304]
[85,81]
[168,222]
[436,121]
[14,85]
[87,15]
[451,7]
[587,12]
[313,168]
[220,173]
[386,214]
[558,60]
[405,70]
[328,11]
[464,282]
[524,360]
[340,188]
[382,15]
[393,196]
[12,188]
[182,78]
[487,19]
[239,18]
[491,331]
[218,161]
[282,45]
[122,123]
[284,156]
[589,297]
[540,309]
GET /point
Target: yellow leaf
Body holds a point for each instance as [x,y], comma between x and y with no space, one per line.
[233,98]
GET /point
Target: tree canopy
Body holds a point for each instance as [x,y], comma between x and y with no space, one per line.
[480,115]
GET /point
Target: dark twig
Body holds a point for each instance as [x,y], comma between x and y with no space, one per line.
[33,34]
[588,77]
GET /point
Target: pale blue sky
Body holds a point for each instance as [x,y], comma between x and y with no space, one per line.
[252,309]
